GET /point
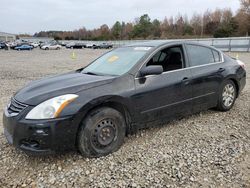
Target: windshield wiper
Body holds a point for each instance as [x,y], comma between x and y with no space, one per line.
[97,74]
[91,73]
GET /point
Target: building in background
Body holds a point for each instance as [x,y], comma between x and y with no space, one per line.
[7,37]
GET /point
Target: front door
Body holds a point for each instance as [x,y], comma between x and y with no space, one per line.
[167,94]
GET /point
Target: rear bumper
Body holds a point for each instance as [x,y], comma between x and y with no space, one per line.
[40,137]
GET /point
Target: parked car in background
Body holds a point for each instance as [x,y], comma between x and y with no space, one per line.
[52,46]
[4,46]
[90,45]
[34,44]
[93,108]
[75,45]
[62,43]
[42,44]
[105,46]
[12,45]
[24,47]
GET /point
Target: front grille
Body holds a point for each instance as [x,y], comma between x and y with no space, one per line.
[16,107]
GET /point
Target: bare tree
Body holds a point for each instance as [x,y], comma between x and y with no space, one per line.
[243,18]
[245,6]
[196,22]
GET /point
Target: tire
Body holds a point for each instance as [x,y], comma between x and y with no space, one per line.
[101,133]
[57,48]
[227,96]
[46,48]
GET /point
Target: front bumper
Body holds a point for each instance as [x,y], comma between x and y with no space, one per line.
[40,137]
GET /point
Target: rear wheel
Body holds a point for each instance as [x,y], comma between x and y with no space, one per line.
[227,96]
[101,133]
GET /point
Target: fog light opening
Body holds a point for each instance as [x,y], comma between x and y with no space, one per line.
[30,143]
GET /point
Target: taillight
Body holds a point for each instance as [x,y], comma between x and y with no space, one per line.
[241,64]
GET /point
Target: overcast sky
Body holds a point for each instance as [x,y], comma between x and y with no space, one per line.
[30,16]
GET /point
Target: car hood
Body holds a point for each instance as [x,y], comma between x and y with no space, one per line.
[70,83]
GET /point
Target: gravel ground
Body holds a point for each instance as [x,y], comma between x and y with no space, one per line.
[209,149]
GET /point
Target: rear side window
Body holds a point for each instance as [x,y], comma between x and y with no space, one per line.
[199,55]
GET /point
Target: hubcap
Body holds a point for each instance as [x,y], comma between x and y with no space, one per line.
[228,95]
[104,133]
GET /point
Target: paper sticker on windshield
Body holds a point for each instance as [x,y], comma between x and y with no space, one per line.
[113,59]
[142,48]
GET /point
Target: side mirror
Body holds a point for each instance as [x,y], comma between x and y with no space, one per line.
[151,70]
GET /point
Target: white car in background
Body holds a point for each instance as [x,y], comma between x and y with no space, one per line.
[90,45]
[51,47]
[34,44]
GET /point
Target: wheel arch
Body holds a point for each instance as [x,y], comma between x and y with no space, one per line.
[236,83]
[115,102]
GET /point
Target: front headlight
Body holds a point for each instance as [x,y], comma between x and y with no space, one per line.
[51,108]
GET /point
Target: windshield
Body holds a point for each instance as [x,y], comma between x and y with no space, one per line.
[116,62]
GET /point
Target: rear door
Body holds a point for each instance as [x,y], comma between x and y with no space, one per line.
[168,94]
[206,65]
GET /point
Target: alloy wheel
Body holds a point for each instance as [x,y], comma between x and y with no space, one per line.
[228,95]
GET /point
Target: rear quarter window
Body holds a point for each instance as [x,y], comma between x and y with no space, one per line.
[217,57]
[200,55]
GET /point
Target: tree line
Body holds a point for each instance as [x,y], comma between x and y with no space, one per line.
[217,23]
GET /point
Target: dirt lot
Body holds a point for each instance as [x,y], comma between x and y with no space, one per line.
[209,149]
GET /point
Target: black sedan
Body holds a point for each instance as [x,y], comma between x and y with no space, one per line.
[92,109]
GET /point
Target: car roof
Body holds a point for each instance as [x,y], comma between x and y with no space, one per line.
[154,43]
[158,43]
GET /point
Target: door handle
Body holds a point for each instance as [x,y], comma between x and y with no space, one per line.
[185,80]
[220,70]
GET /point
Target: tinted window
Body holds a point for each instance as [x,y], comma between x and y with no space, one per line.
[199,55]
[157,56]
[169,58]
[216,56]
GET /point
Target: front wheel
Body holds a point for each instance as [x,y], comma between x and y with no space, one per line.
[227,96]
[101,133]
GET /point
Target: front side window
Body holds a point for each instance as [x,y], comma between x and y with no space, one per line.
[117,62]
[169,58]
[199,55]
